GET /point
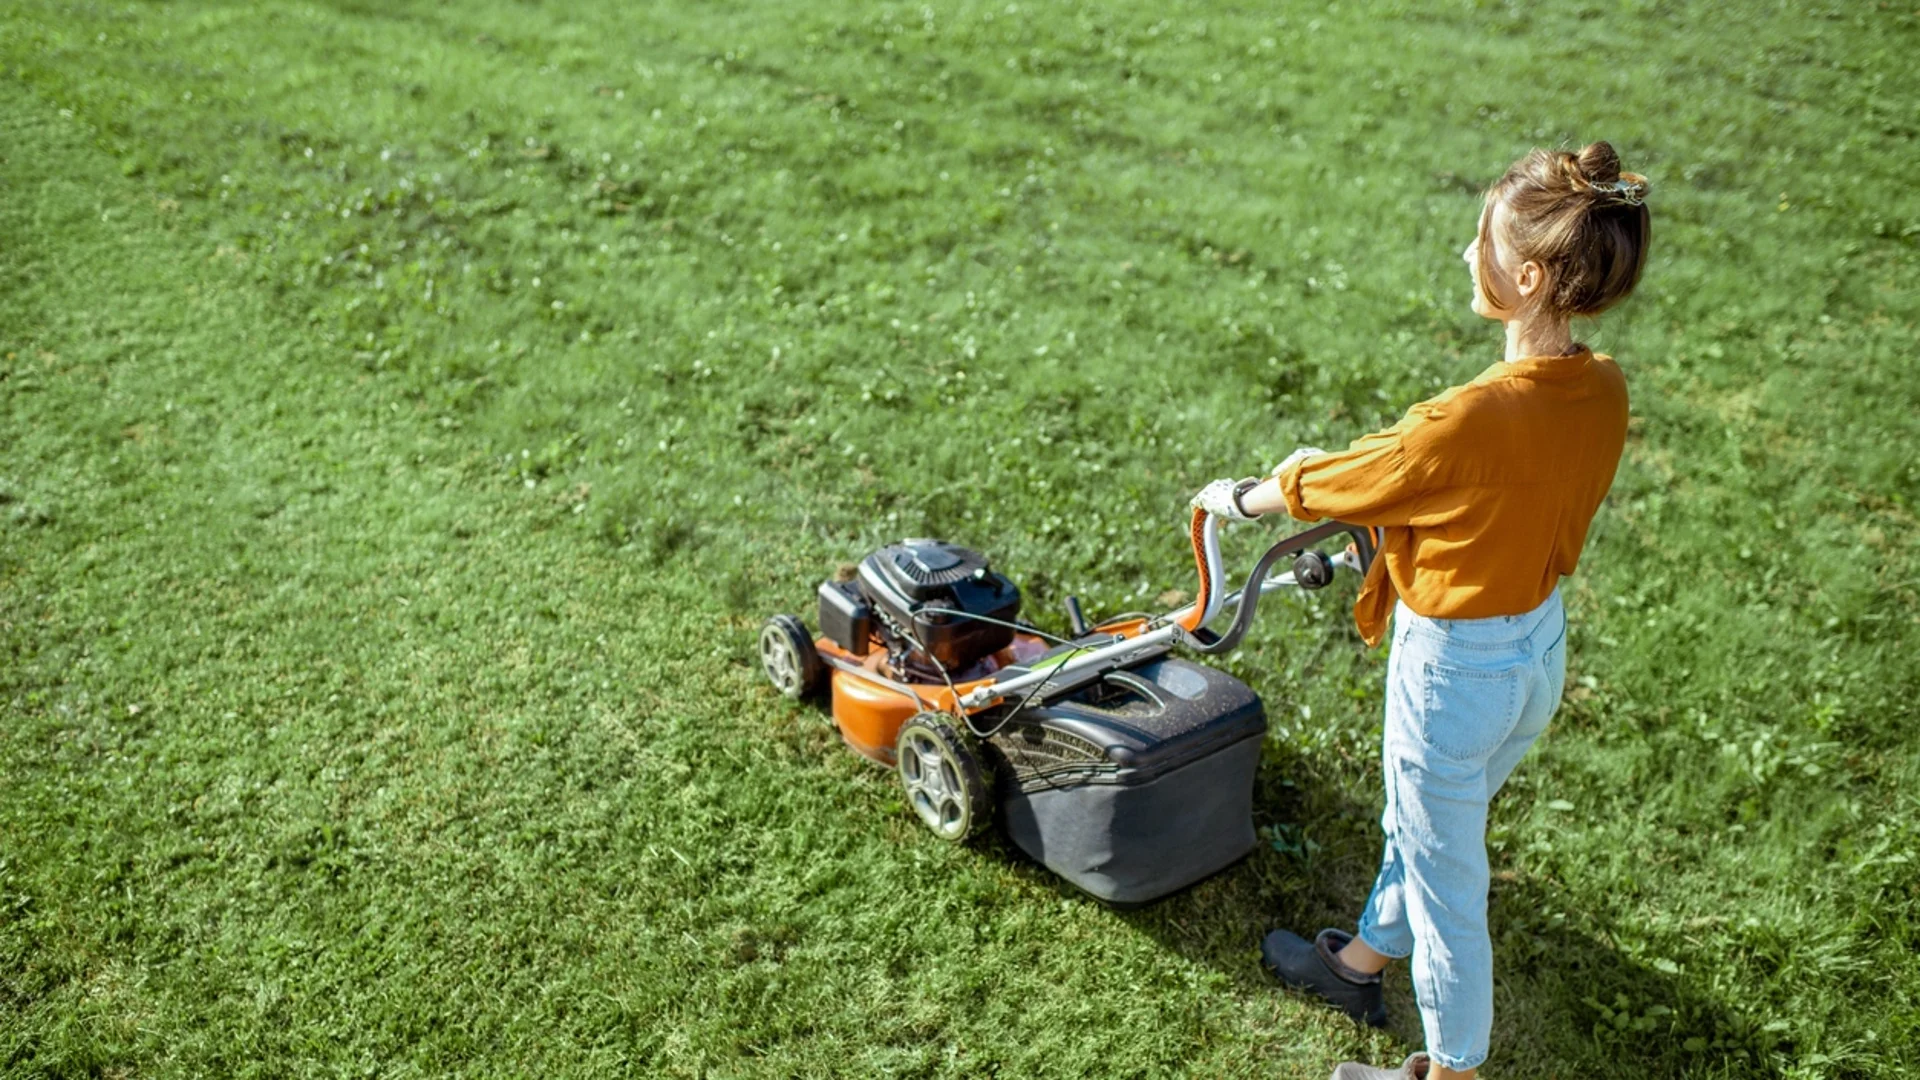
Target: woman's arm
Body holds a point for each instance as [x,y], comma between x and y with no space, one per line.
[1264,498]
[1375,481]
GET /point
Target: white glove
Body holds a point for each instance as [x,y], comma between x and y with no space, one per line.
[1299,455]
[1222,499]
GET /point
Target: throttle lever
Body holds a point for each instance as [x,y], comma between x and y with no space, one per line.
[1077,619]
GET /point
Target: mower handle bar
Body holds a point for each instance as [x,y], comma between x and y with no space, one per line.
[1188,625]
[1247,599]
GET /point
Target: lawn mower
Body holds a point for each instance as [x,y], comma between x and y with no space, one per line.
[1122,767]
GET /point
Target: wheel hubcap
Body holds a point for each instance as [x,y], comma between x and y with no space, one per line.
[933,785]
[777,656]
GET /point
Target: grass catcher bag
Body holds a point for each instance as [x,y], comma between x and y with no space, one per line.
[1137,785]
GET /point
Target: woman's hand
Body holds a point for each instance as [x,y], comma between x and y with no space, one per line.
[1222,499]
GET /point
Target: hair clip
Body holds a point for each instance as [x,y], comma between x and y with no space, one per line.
[1631,192]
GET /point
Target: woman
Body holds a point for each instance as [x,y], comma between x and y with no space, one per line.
[1482,496]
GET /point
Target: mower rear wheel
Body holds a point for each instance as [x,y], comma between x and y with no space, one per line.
[945,777]
[787,654]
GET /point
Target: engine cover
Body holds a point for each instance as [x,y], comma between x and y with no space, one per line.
[916,587]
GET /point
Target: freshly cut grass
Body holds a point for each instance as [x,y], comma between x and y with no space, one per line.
[411,410]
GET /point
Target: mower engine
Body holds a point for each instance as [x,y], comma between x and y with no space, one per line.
[919,599]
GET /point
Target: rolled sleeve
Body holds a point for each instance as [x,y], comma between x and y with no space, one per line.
[1372,482]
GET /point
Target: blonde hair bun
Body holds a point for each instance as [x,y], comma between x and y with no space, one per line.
[1597,163]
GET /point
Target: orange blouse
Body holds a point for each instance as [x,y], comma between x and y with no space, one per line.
[1483,494]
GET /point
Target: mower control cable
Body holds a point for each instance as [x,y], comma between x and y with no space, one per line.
[1073,649]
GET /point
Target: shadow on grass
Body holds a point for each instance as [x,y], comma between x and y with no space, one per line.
[1568,1002]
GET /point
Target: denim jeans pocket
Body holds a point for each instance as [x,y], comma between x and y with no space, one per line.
[1467,712]
[1555,661]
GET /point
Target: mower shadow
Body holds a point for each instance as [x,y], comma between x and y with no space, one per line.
[1565,996]
[1568,997]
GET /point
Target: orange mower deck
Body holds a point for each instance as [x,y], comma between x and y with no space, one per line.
[869,708]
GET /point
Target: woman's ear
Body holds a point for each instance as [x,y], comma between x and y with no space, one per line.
[1530,278]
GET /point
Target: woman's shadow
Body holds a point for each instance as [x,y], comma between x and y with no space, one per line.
[1567,1002]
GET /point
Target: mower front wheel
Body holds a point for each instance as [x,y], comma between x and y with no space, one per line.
[787,654]
[945,777]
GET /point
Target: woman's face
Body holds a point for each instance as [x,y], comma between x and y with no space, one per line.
[1508,285]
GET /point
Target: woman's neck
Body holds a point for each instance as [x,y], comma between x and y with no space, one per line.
[1537,336]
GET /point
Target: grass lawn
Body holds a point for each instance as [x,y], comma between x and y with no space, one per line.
[409,411]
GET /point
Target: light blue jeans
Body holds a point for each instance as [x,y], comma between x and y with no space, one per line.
[1465,699]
